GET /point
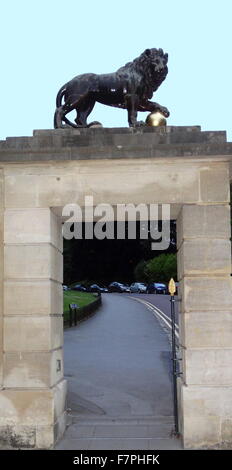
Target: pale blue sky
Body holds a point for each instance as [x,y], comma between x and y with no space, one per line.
[47,42]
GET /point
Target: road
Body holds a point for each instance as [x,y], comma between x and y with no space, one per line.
[161,301]
[118,368]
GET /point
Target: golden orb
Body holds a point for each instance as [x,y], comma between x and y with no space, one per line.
[156,119]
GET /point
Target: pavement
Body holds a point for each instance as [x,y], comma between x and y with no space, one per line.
[118,367]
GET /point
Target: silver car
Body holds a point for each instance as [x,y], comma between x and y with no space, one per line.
[138,287]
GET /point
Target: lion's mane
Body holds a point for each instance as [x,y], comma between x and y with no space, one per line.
[143,66]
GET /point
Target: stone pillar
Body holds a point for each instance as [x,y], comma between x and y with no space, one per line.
[205,388]
[1,273]
[32,400]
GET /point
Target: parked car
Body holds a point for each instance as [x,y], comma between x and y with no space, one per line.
[105,289]
[118,287]
[138,287]
[79,287]
[65,287]
[97,288]
[127,287]
[157,288]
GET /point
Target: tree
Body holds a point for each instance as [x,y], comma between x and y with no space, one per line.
[139,271]
[161,268]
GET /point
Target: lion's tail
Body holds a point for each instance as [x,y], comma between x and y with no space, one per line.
[60,95]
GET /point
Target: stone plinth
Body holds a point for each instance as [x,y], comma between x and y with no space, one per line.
[180,166]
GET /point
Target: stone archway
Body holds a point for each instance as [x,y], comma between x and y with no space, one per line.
[184,167]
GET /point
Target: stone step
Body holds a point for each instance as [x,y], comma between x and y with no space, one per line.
[122,420]
[130,140]
[139,140]
[118,138]
[152,444]
[115,130]
[120,428]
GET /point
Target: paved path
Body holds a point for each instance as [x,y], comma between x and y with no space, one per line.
[118,368]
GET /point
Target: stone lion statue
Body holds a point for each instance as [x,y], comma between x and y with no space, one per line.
[130,88]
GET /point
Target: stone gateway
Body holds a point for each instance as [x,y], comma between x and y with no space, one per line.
[181,166]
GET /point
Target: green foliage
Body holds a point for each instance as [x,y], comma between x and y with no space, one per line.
[139,272]
[162,268]
[158,269]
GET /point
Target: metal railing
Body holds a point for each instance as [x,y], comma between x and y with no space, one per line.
[77,314]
